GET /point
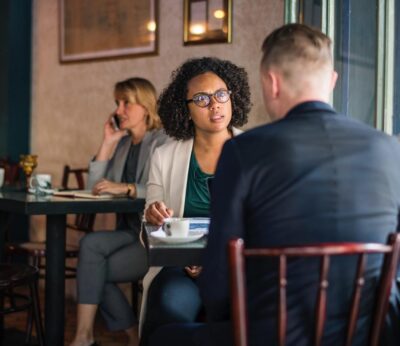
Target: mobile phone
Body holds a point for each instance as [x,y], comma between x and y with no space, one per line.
[115,122]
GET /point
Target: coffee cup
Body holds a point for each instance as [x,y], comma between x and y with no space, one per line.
[2,174]
[176,227]
[40,183]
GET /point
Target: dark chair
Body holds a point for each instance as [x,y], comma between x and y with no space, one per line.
[82,223]
[79,174]
[11,171]
[238,254]
[19,275]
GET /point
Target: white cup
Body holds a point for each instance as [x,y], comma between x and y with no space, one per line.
[39,183]
[2,173]
[176,227]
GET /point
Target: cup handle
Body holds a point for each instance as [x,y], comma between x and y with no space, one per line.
[166,228]
[33,182]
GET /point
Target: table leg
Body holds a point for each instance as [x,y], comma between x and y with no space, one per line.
[3,227]
[55,280]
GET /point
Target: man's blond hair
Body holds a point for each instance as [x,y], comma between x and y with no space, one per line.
[296,50]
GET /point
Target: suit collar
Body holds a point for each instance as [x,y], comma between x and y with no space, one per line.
[310,106]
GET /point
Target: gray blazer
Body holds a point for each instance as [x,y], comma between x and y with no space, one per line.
[113,168]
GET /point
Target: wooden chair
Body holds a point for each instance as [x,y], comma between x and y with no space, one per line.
[79,174]
[82,223]
[19,275]
[238,254]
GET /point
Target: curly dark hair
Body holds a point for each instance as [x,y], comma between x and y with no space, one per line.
[173,110]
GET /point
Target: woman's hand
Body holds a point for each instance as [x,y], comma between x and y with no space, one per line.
[107,186]
[111,135]
[157,212]
[193,271]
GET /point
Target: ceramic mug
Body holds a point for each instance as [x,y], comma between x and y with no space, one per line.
[176,227]
[39,183]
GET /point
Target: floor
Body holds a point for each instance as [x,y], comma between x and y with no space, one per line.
[15,327]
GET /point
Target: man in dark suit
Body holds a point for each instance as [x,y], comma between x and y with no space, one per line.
[310,176]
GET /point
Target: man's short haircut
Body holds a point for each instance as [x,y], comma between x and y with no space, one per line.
[296,44]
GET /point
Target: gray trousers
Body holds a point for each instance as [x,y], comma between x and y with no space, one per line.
[105,259]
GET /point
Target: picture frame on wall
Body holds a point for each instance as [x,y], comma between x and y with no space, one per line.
[104,29]
[207,21]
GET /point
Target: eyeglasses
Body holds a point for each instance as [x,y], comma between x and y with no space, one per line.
[204,99]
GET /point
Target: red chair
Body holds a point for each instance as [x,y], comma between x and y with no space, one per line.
[238,254]
[82,223]
[11,171]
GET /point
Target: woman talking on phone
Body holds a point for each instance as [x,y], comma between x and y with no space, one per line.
[120,167]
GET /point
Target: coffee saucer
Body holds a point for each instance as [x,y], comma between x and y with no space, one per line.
[43,191]
[161,236]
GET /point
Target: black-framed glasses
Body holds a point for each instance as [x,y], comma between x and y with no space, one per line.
[204,99]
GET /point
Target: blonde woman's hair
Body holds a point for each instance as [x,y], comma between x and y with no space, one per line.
[141,91]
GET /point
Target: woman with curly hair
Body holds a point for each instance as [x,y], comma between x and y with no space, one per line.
[205,101]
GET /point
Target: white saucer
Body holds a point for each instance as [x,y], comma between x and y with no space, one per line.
[176,240]
[32,191]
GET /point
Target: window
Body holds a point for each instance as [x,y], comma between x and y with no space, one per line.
[363,33]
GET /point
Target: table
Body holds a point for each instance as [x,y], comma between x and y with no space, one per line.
[164,255]
[56,210]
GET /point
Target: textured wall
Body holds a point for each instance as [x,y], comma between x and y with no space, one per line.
[70,102]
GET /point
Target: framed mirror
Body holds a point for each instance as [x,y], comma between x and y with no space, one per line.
[207,21]
[98,29]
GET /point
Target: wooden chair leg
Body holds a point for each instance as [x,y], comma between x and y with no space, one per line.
[36,313]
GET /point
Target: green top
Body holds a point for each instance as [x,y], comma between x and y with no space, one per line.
[197,202]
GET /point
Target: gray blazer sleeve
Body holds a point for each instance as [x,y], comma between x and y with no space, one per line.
[110,169]
[113,168]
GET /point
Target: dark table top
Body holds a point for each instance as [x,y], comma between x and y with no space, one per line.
[18,201]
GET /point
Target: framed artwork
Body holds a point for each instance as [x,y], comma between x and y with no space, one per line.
[99,29]
[207,21]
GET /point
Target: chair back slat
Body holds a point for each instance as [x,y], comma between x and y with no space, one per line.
[321,301]
[355,307]
[82,222]
[85,222]
[238,253]
[282,324]
[238,279]
[387,275]
[79,174]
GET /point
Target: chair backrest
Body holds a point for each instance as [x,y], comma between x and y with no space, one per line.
[82,222]
[238,254]
[79,174]
[11,171]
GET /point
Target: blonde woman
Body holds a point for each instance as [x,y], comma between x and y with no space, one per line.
[120,167]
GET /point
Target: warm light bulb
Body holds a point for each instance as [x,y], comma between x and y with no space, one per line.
[151,26]
[219,14]
[197,29]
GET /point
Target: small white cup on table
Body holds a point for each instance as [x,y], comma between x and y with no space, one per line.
[40,183]
[176,227]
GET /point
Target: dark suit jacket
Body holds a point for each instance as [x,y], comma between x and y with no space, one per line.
[314,176]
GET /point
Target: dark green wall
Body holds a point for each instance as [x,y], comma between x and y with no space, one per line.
[15,77]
